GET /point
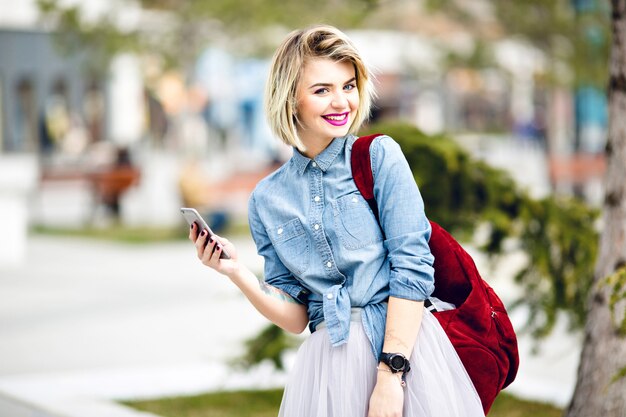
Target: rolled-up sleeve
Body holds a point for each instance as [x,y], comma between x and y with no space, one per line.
[276,273]
[404,222]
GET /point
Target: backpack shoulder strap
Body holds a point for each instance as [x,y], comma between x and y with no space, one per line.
[362,170]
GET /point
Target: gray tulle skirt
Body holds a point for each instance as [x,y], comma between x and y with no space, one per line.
[331,381]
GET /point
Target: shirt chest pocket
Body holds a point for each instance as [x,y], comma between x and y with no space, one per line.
[291,244]
[355,223]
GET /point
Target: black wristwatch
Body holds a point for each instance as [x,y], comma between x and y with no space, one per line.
[396,362]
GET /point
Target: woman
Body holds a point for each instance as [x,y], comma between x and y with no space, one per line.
[374,350]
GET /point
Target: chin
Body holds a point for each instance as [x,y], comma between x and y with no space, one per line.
[337,133]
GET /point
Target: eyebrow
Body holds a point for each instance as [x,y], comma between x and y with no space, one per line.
[330,84]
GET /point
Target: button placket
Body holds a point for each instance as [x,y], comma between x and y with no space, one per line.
[317,225]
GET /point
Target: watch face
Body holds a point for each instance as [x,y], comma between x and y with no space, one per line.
[397,362]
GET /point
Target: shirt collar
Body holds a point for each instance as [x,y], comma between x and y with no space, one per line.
[323,160]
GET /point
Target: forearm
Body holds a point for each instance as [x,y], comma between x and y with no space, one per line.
[404,318]
[274,304]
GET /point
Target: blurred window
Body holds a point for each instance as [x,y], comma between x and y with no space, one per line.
[93,110]
[24,136]
[59,88]
[55,122]
[1,113]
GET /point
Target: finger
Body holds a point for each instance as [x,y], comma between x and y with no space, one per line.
[192,232]
[209,251]
[218,251]
[201,244]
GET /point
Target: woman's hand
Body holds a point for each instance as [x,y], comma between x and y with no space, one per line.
[209,252]
[273,303]
[387,399]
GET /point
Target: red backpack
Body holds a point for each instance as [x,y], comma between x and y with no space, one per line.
[479,327]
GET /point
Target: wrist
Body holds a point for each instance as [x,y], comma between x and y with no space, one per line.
[385,375]
[235,274]
[382,366]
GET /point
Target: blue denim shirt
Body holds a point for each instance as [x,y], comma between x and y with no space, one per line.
[322,245]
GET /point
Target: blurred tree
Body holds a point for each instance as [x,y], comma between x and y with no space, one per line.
[577,40]
[601,384]
[573,38]
[575,44]
[176,31]
[97,41]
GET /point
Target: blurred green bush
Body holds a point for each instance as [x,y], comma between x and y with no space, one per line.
[556,233]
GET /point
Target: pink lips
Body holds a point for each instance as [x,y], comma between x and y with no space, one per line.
[337,119]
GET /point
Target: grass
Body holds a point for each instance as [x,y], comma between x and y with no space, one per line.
[507,405]
[122,234]
[266,404]
[134,235]
[221,404]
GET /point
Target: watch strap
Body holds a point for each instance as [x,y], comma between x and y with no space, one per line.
[387,359]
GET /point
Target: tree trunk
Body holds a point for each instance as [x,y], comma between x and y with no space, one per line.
[604,350]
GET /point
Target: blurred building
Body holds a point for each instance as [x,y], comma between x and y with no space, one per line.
[45,96]
[417,83]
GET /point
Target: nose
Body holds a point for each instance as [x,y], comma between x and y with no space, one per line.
[340,101]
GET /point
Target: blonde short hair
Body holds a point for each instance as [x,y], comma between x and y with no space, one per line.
[286,69]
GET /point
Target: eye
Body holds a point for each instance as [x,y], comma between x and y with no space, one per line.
[321,91]
[349,87]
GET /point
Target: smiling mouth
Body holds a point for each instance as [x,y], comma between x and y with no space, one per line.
[338,119]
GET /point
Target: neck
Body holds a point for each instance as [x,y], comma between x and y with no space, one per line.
[315,147]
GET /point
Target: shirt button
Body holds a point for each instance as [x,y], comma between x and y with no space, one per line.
[329,264]
[314,164]
[317,198]
[316,227]
[329,296]
[280,230]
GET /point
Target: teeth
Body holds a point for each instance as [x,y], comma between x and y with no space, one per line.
[343,116]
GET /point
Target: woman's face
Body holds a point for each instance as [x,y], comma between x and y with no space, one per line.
[327,101]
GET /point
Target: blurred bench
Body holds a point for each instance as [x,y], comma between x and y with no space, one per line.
[578,168]
[107,185]
[110,184]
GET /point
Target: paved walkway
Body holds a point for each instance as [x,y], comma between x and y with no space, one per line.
[84,322]
[93,320]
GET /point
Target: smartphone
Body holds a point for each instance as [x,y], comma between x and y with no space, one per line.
[192,216]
